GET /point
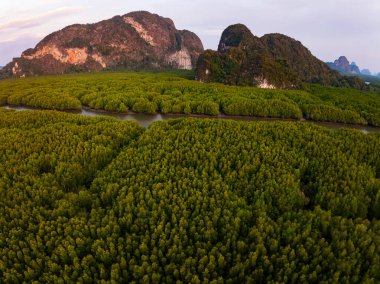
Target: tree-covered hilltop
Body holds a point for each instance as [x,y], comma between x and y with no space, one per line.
[187,201]
[175,93]
[272,61]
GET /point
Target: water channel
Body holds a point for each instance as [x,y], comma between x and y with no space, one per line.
[146,120]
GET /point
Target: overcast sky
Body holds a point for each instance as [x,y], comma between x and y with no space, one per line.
[329,28]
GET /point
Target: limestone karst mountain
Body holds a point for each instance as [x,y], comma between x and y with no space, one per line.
[272,61]
[344,66]
[136,40]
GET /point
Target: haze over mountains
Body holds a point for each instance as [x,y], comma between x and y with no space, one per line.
[345,67]
[142,40]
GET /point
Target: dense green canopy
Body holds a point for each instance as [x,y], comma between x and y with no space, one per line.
[171,93]
[186,201]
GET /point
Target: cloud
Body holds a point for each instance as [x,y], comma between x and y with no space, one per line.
[22,37]
[27,23]
[13,47]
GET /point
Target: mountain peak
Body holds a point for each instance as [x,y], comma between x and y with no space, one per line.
[135,40]
[342,61]
[237,35]
[343,66]
[272,61]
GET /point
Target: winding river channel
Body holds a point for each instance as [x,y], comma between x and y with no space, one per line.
[146,120]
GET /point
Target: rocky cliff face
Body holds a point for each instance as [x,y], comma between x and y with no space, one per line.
[135,40]
[272,61]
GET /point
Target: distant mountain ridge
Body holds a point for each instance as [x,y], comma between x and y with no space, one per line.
[343,66]
[366,72]
[272,61]
[136,40]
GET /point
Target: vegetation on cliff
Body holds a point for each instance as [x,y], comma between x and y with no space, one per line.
[274,61]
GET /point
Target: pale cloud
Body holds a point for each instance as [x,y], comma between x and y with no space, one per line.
[22,37]
[13,47]
[27,23]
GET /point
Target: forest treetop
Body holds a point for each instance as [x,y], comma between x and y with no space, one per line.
[186,201]
[174,93]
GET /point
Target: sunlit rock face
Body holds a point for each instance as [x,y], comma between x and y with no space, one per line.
[138,40]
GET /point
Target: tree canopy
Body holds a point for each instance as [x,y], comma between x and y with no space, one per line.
[171,93]
[186,201]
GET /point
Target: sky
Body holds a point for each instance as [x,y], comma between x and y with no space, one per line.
[328,28]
